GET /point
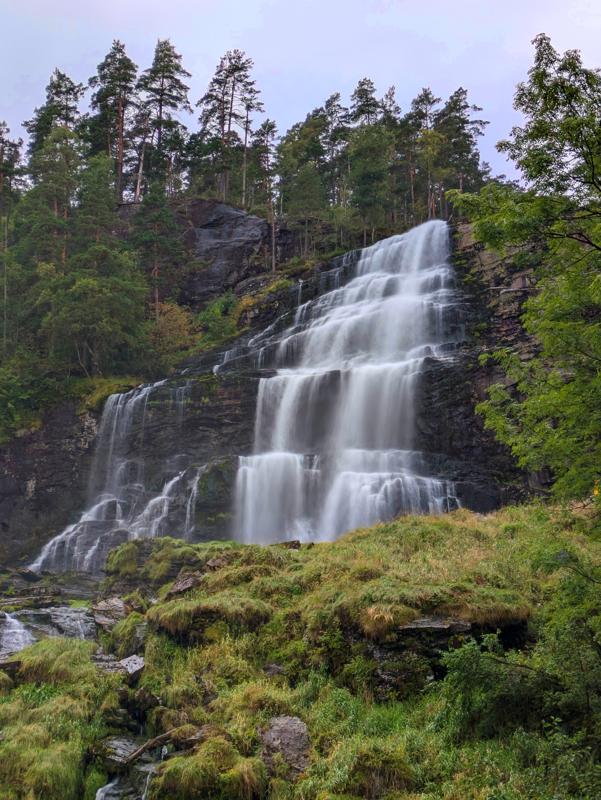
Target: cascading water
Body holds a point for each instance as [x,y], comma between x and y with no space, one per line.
[335,428]
[122,505]
[14,636]
[337,417]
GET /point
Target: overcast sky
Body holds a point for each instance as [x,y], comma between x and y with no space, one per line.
[304,50]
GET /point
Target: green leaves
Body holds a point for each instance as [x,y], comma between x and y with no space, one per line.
[549,409]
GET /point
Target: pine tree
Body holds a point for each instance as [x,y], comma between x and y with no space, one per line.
[61,109]
[371,152]
[10,155]
[365,107]
[45,212]
[459,153]
[231,99]
[94,214]
[264,146]
[164,94]
[114,97]
[157,238]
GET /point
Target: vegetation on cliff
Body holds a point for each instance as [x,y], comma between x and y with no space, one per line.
[446,657]
[548,410]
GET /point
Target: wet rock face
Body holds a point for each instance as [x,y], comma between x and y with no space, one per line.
[43,475]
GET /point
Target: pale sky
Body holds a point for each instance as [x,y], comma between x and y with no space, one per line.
[303,51]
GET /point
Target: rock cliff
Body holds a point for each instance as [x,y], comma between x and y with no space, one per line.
[44,473]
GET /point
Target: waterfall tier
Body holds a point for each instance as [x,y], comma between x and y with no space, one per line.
[335,429]
[122,502]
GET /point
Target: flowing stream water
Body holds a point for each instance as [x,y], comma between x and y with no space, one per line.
[14,636]
[335,444]
[335,429]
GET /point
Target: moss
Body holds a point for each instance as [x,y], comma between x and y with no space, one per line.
[123,561]
[192,616]
[216,771]
[6,683]
[94,780]
[127,636]
[91,393]
[317,633]
[50,719]
[58,661]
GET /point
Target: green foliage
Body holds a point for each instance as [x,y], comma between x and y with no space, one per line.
[216,771]
[315,633]
[50,720]
[548,410]
[217,321]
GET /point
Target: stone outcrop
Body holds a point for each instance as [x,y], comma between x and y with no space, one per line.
[228,246]
[286,744]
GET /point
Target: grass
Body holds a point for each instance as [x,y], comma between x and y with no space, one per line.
[50,720]
[317,632]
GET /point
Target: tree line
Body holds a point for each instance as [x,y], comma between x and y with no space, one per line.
[89,290]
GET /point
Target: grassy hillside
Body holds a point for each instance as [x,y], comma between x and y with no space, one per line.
[452,657]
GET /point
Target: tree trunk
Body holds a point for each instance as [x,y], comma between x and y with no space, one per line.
[5,285]
[120,149]
[244,160]
[140,172]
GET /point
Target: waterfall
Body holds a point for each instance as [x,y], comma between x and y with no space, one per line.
[337,435]
[14,636]
[335,429]
[122,503]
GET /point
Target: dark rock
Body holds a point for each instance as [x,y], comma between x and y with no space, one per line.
[43,480]
[218,562]
[273,670]
[114,752]
[286,739]
[145,700]
[437,625]
[293,544]
[10,665]
[228,245]
[185,581]
[28,575]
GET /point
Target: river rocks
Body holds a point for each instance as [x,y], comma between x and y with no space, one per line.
[131,666]
[70,621]
[107,613]
[286,739]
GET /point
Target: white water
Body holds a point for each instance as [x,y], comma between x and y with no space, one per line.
[14,636]
[121,506]
[335,429]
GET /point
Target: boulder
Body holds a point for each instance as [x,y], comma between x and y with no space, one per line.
[286,739]
[107,613]
[114,752]
[132,667]
[185,581]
